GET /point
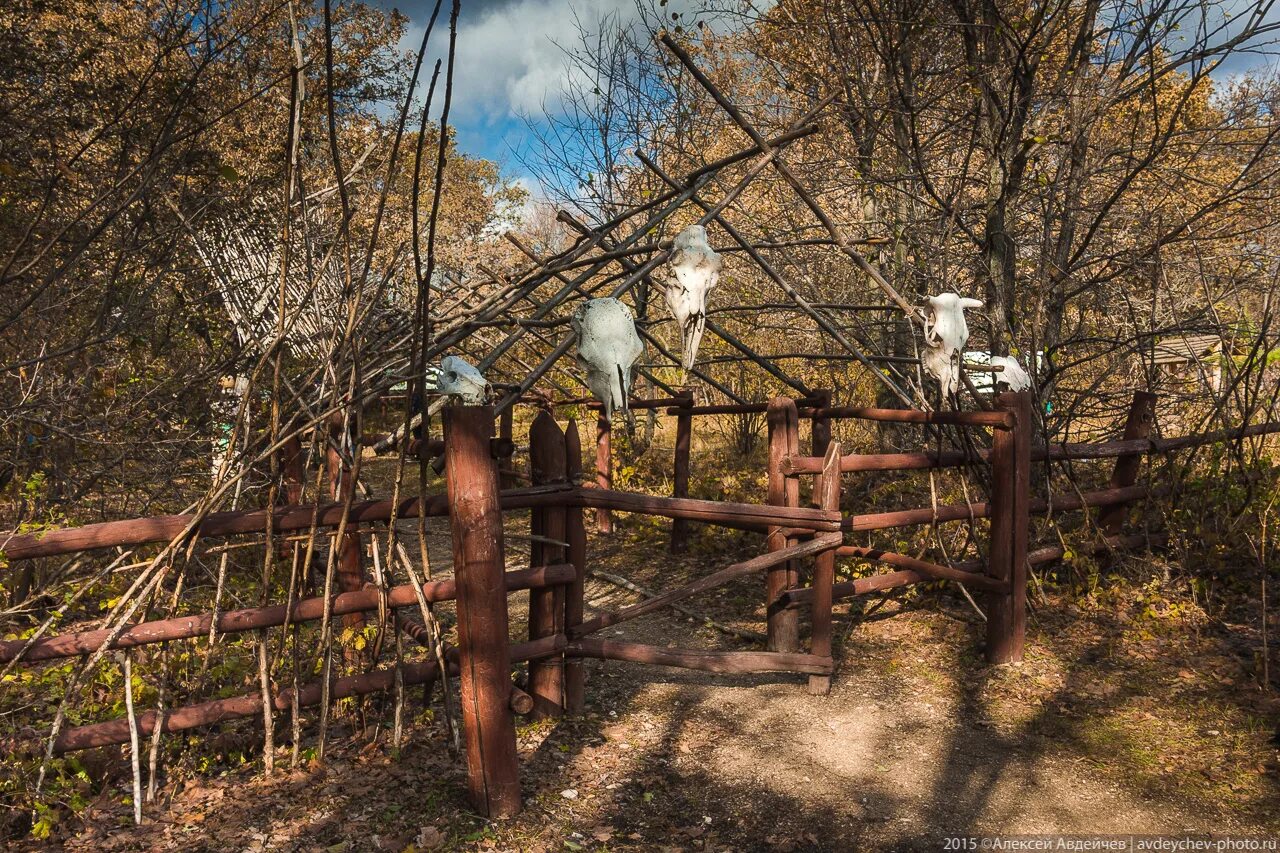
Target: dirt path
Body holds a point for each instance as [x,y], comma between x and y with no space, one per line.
[917,741]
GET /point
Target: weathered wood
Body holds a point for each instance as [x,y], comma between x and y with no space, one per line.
[250,704]
[576,536]
[972,575]
[783,625]
[907,577]
[738,408]
[162,528]
[821,542]
[476,522]
[981,509]
[292,473]
[254,618]
[706,661]
[342,489]
[506,474]
[680,476]
[1010,496]
[723,513]
[913,416]
[859,586]
[521,703]
[860,462]
[1141,417]
[820,426]
[604,471]
[826,496]
[547,464]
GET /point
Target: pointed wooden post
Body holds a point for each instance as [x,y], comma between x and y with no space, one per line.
[1142,416]
[506,476]
[826,494]
[820,427]
[342,487]
[604,470]
[576,536]
[475,519]
[1010,499]
[292,471]
[784,440]
[547,464]
[680,488]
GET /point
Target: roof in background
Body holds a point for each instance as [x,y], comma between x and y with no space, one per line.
[1181,348]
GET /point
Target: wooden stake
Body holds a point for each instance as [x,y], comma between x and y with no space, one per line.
[826,496]
[820,425]
[1142,416]
[784,441]
[1010,509]
[493,779]
[342,487]
[506,477]
[547,464]
[680,488]
[576,536]
[604,471]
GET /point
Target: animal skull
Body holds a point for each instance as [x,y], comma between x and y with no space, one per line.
[608,346]
[945,334]
[697,270]
[1013,377]
[458,378]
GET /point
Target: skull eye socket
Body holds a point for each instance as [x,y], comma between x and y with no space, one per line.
[452,376]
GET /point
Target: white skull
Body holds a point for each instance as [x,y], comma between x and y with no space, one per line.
[945,334]
[458,378]
[697,270]
[608,346]
[1013,377]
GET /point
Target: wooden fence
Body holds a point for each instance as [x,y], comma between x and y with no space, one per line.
[559,633]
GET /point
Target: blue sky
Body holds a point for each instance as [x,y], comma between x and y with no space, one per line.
[510,60]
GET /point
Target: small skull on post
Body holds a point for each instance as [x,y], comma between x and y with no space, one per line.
[1013,376]
[697,270]
[945,334]
[458,378]
[608,347]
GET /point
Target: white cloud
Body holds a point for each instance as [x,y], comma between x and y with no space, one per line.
[511,58]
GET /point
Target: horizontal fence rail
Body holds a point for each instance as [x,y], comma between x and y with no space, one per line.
[284,519]
[856,462]
[253,618]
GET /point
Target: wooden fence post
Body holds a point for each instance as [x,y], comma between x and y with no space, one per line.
[826,495]
[784,440]
[680,488]
[1010,504]
[1142,416]
[820,428]
[576,536]
[547,464]
[475,519]
[291,470]
[604,470]
[506,476]
[342,487]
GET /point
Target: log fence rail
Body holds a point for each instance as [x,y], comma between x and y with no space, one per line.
[560,633]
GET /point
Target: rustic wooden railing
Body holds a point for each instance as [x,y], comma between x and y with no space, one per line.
[560,635]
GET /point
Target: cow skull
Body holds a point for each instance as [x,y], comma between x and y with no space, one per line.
[1013,377]
[697,270]
[458,378]
[945,334]
[608,347]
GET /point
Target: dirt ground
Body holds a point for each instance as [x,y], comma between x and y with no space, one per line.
[1115,723]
